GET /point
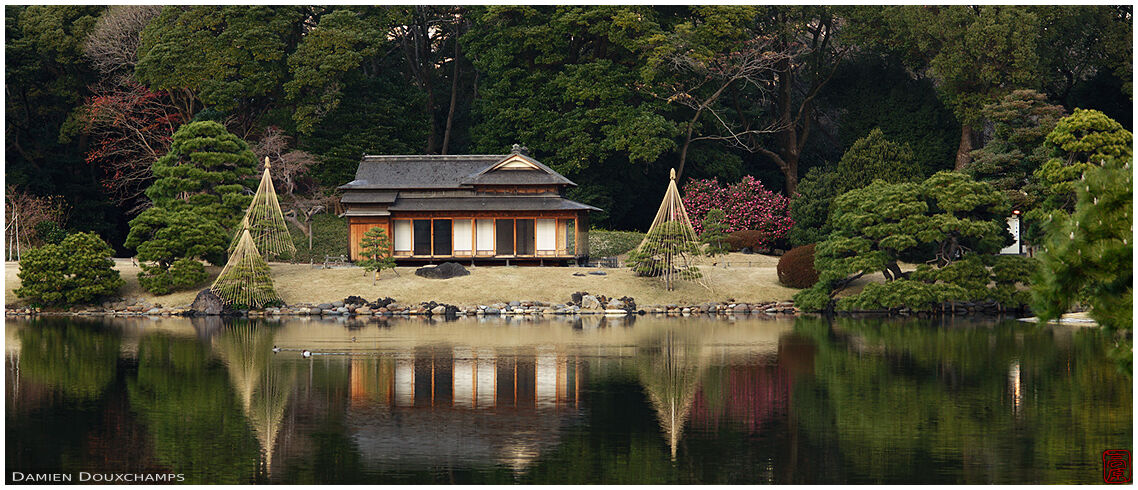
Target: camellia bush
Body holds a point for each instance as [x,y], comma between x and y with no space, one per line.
[746,206]
[78,270]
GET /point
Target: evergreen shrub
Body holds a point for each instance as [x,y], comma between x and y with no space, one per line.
[78,270]
[796,267]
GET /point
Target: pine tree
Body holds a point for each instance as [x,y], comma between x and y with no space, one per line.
[671,243]
[376,250]
[1022,120]
[1087,256]
[246,281]
[714,232]
[266,222]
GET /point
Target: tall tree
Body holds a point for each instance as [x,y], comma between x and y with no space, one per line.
[560,81]
[429,36]
[231,59]
[1021,121]
[811,32]
[976,53]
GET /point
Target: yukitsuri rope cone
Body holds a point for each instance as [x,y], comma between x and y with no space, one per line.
[246,281]
[266,222]
[671,244]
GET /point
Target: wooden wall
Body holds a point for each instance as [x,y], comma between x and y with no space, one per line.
[358,225]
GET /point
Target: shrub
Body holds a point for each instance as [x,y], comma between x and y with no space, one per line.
[738,240]
[607,243]
[796,267]
[50,232]
[76,271]
[746,205]
[875,157]
[181,275]
[810,207]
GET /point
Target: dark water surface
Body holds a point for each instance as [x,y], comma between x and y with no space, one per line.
[555,401]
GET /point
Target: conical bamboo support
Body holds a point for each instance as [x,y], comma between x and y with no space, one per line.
[266,222]
[671,244]
[246,280]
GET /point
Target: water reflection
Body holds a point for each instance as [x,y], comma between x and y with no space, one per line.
[595,400]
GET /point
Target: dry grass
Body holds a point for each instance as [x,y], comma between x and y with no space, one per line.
[489,284]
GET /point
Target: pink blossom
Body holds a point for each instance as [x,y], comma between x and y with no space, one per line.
[747,205]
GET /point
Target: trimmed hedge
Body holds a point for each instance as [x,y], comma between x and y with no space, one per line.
[608,243]
[796,267]
[738,240]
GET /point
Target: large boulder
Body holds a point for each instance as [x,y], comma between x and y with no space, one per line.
[590,302]
[446,270]
[206,303]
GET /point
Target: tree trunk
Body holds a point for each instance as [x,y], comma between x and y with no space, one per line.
[453,97]
[964,151]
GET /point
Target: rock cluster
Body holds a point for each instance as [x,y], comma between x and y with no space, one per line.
[446,270]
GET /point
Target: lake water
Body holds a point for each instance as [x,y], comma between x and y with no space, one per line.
[596,400]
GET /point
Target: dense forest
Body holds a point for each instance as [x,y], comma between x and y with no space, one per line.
[611,96]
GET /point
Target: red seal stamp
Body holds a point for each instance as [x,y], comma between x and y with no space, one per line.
[1116,466]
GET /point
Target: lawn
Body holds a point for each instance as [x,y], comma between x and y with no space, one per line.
[488,284]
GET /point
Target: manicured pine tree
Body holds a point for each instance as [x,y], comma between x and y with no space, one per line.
[376,250]
[714,232]
[246,281]
[266,222]
[671,243]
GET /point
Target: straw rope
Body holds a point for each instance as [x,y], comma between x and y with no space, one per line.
[246,280]
[266,222]
[671,245]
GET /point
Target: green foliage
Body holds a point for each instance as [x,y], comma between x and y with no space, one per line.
[1079,142]
[610,243]
[328,52]
[76,271]
[810,207]
[667,250]
[329,237]
[713,233]
[569,105]
[163,236]
[875,157]
[50,232]
[1021,121]
[226,56]
[942,220]
[966,216]
[207,170]
[375,252]
[1087,256]
[915,295]
[1090,136]
[875,91]
[977,54]
[796,267]
[197,195]
[182,274]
